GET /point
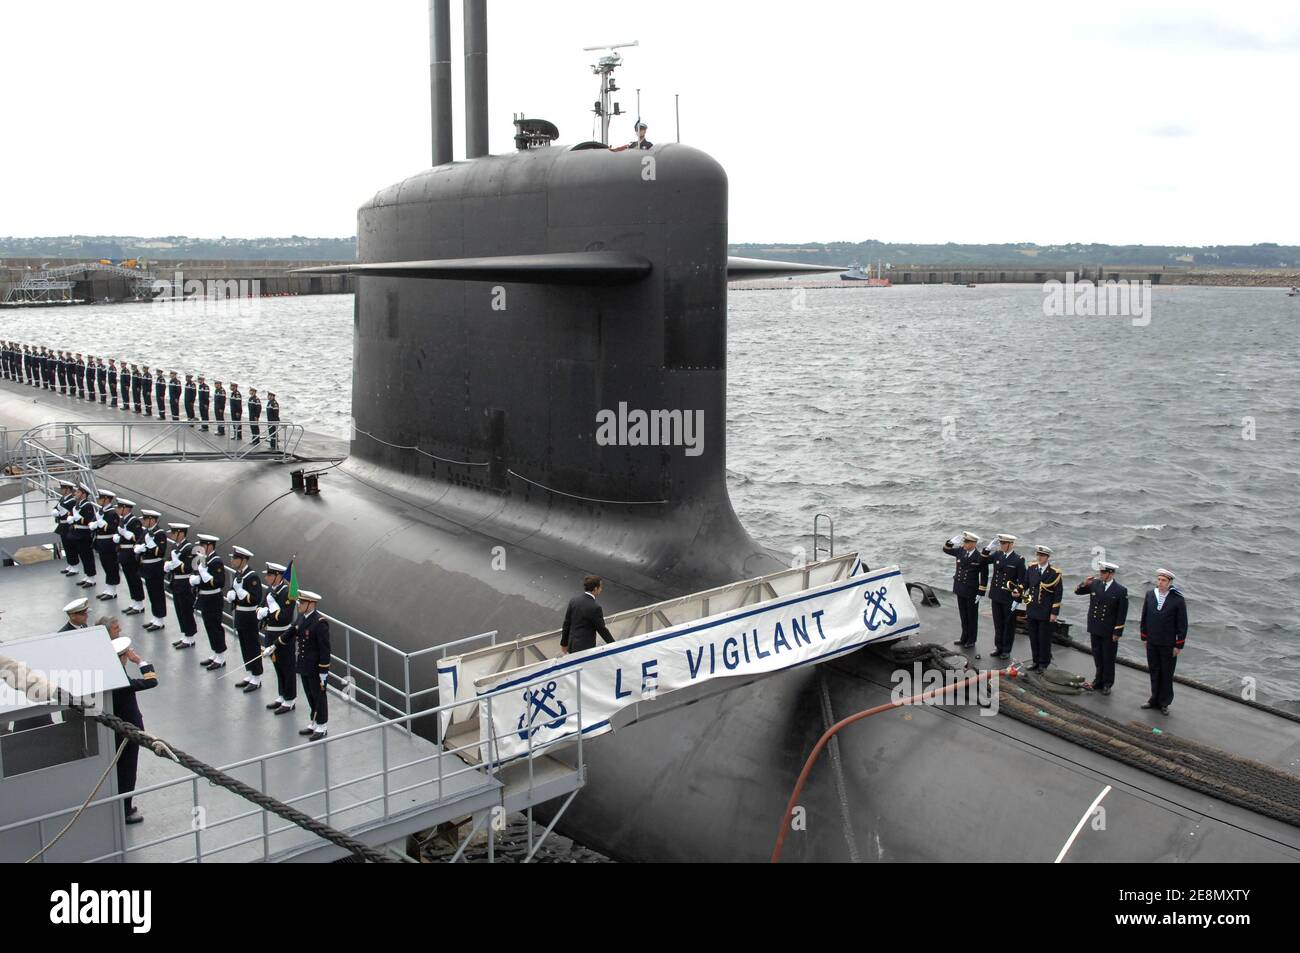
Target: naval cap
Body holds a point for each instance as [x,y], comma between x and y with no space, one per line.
[179,527]
[121,644]
[306,596]
[1043,550]
[77,605]
[1006,538]
[970,538]
[276,567]
[209,538]
[154,513]
[1107,567]
[241,553]
[107,495]
[129,504]
[64,484]
[84,489]
[1168,574]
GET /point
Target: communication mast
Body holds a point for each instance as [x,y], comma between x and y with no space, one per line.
[606,107]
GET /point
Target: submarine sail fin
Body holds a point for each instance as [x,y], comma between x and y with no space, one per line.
[747,269]
[565,268]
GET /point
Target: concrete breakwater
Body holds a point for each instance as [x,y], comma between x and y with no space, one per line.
[998,275]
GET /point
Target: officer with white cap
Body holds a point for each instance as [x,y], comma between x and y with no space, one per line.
[245,597]
[208,578]
[62,529]
[1008,572]
[77,612]
[969,581]
[277,618]
[180,565]
[1107,610]
[1041,593]
[1164,630]
[311,632]
[81,534]
[127,708]
[130,532]
[152,549]
[105,528]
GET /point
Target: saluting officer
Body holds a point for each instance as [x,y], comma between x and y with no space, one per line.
[277,618]
[219,407]
[173,396]
[130,531]
[254,415]
[151,549]
[205,400]
[311,632]
[968,583]
[1164,630]
[209,577]
[1008,572]
[236,412]
[106,544]
[272,418]
[1107,610]
[245,597]
[191,392]
[1041,594]
[179,566]
[63,529]
[81,533]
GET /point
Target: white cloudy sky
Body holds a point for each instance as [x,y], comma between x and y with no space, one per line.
[1117,122]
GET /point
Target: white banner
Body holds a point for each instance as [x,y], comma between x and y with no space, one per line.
[808,627]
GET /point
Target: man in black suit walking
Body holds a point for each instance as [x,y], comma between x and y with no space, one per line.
[584,618]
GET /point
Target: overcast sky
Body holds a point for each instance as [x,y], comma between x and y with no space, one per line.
[1126,122]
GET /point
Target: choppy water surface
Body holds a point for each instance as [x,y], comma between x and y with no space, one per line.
[909,414]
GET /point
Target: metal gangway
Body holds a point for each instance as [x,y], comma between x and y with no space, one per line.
[55,284]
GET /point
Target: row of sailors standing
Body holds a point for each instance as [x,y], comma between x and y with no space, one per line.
[1040,588]
[92,380]
[266,626]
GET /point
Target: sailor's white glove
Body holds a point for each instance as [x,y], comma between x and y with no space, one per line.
[139,549]
[126,534]
[57,511]
[70,519]
[263,613]
[194,580]
[100,524]
[956,541]
[324,678]
[268,651]
[240,591]
[172,564]
[271,604]
[230,596]
[207,576]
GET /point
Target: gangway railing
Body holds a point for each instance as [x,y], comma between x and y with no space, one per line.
[139,441]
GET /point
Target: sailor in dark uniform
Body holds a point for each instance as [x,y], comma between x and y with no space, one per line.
[272,418]
[130,531]
[152,549]
[1008,571]
[106,544]
[61,372]
[219,407]
[63,529]
[1041,594]
[311,634]
[191,393]
[245,598]
[81,533]
[254,415]
[969,581]
[205,401]
[236,412]
[112,381]
[640,142]
[124,381]
[584,619]
[101,371]
[78,613]
[173,396]
[179,566]
[146,391]
[1164,630]
[277,619]
[160,389]
[134,377]
[90,378]
[1107,610]
[209,577]
[127,708]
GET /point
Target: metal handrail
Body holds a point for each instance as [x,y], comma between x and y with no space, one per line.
[85,434]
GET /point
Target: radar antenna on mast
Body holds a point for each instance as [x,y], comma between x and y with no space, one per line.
[604,68]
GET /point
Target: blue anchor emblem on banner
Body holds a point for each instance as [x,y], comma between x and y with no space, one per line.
[539,703]
[878,605]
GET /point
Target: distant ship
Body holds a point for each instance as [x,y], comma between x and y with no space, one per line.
[857,272]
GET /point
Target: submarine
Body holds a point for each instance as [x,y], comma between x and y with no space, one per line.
[504,303]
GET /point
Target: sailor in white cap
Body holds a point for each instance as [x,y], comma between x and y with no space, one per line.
[151,550]
[105,528]
[245,597]
[969,581]
[311,631]
[180,565]
[127,708]
[1107,610]
[208,578]
[1041,593]
[130,531]
[277,618]
[81,535]
[1008,573]
[62,511]
[77,611]
[1164,630]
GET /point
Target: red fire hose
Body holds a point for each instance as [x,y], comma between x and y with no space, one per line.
[1011,672]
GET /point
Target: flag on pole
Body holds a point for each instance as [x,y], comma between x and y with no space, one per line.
[292,574]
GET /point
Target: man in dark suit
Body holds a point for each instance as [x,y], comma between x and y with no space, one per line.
[1008,571]
[584,618]
[1107,610]
[310,634]
[1164,630]
[127,708]
[969,581]
[1041,593]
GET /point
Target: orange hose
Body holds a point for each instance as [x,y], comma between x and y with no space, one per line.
[1011,672]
